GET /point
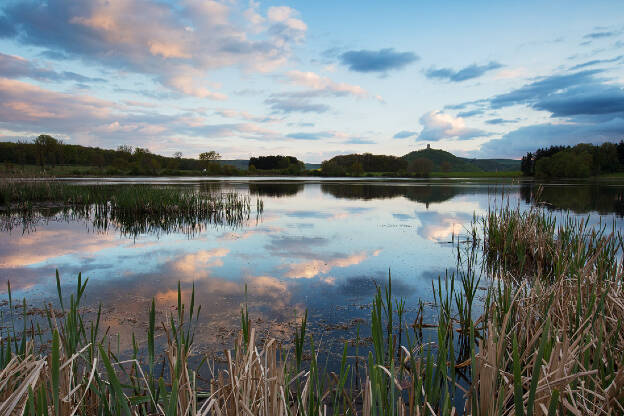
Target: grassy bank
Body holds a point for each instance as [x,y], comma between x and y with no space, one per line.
[76,171]
[80,171]
[544,337]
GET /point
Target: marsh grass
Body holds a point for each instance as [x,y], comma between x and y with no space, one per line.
[133,209]
[547,340]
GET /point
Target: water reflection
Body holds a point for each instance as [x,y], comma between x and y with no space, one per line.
[603,199]
[425,193]
[317,246]
[275,189]
[130,209]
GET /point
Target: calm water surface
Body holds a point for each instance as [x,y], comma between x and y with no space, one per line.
[318,245]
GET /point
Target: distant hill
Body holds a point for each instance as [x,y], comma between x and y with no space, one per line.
[461,164]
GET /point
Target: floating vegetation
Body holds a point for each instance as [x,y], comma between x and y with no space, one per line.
[132,209]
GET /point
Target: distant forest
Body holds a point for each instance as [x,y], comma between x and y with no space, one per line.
[580,161]
[45,153]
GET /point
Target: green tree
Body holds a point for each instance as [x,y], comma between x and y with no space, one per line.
[356,169]
[48,149]
[420,167]
[124,148]
[210,156]
[569,163]
[208,159]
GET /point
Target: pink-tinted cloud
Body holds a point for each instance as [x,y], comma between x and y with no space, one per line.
[177,44]
[24,102]
[324,84]
[313,268]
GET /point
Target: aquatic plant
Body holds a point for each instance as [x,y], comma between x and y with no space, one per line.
[132,209]
[548,341]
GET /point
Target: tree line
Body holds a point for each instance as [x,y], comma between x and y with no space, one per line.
[46,151]
[367,163]
[281,164]
[580,161]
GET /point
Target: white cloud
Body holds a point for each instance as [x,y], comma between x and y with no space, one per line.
[319,83]
[438,125]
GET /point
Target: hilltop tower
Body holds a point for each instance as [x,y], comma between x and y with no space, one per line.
[428,146]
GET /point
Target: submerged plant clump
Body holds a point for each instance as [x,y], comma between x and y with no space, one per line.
[547,340]
[133,209]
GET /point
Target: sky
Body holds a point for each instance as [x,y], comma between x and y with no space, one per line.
[313,79]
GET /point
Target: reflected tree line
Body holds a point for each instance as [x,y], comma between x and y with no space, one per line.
[578,198]
[426,194]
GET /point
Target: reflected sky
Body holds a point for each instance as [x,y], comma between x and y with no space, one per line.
[317,245]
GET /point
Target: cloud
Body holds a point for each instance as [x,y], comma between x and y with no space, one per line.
[317,86]
[192,85]
[564,95]
[584,106]
[597,62]
[511,73]
[200,262]
[27,105]
[81,119]
[600,35]
[527,139]
[464,74]
[382,60]
[313,268]
[227,113]
[12,66]
[174,43]
[470,113]
[404,134]
[309,136]
[359,140]
[287,105]
[438,125]
[496,121]
[285,24]
[325,85]
[315,136]
[295,246]
[437,226]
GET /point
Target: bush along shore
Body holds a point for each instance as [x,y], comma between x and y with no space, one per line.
[132,209]
[547,340]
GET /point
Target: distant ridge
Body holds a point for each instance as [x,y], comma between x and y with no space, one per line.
[443,160]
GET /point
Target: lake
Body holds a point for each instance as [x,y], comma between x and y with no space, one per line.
[320,245]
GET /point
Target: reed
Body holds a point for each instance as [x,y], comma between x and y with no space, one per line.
[551,341]
[548,341]
[133,209]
